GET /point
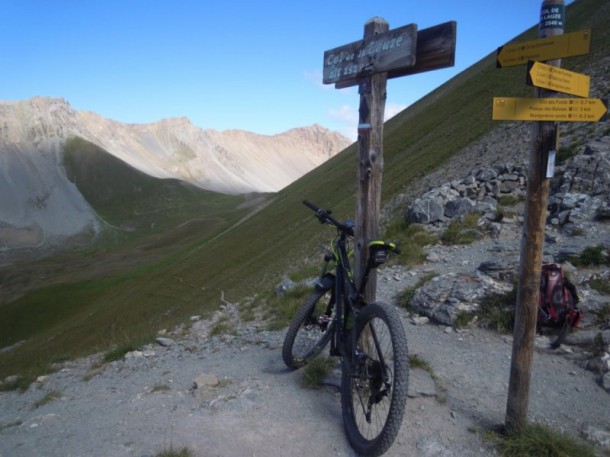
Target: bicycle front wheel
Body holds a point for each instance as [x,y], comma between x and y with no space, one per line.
[310,330]
[374,384]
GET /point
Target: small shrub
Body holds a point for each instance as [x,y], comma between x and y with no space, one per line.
[222,327]
[592,255]
[411,240]
[509,200]
[119,352]
[18,383]
[497,311]
[564,153]
[48,398]
[415,361]
[464,318]
[463,231]
[171,452]
[316,371]
[537,440]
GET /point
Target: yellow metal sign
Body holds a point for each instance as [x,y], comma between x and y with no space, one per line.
[558,79]
[555,47]
[549,109]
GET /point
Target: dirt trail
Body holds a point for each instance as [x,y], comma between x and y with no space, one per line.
[248,404]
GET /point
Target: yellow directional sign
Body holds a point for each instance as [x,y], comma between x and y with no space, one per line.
[554,47]
[557,79]
[549,109]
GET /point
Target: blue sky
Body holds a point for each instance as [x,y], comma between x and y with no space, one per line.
[228,64]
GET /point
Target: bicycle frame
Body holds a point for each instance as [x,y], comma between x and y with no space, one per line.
[347,298]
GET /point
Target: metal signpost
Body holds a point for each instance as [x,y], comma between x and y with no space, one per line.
[368,63]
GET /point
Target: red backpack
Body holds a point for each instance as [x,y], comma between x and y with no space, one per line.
[557,303]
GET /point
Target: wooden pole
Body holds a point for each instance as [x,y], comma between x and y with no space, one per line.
[532,242]
[372,89]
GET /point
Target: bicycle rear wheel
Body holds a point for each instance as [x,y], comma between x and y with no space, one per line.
[310,330]
[374,384]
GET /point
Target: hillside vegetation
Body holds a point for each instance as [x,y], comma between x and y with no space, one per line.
[92,308]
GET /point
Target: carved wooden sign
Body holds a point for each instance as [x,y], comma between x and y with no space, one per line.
[393,50]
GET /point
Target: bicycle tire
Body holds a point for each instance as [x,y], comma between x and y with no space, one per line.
[307,336]
[373,407]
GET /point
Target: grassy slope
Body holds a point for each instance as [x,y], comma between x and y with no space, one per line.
[252,256]
[126,197]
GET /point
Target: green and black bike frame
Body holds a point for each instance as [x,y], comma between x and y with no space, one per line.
[345,298]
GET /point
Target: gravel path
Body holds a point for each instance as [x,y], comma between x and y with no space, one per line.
[246,403]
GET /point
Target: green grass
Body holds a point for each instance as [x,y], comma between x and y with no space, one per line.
[134,203]
[118,352]
[415,361]
[463,230]
[173,248]
[600,284]
[48,398]
[497,311]
[592,256]
[410,239]
[537,440]
[171,452]
[316,371]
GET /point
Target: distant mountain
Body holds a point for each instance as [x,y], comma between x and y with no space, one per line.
[232,161]
[38,202]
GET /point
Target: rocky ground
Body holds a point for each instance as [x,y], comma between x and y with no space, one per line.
[233,396]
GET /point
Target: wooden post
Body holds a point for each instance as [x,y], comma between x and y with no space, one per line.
[372,89]
[369,62]
[545,137]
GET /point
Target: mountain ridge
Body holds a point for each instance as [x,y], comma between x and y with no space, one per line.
[246,162]
[45,208]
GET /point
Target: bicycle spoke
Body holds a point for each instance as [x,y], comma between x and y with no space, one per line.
[310,331]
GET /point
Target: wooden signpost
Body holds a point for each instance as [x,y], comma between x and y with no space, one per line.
[368,63]
[546,109]
[384,51]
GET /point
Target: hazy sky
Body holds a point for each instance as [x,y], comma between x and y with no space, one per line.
[225,64]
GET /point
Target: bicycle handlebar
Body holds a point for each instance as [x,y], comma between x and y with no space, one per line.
[325,218]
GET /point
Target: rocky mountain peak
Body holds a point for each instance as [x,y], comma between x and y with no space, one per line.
[45,205]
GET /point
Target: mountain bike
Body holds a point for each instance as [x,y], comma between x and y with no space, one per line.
[369,337]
